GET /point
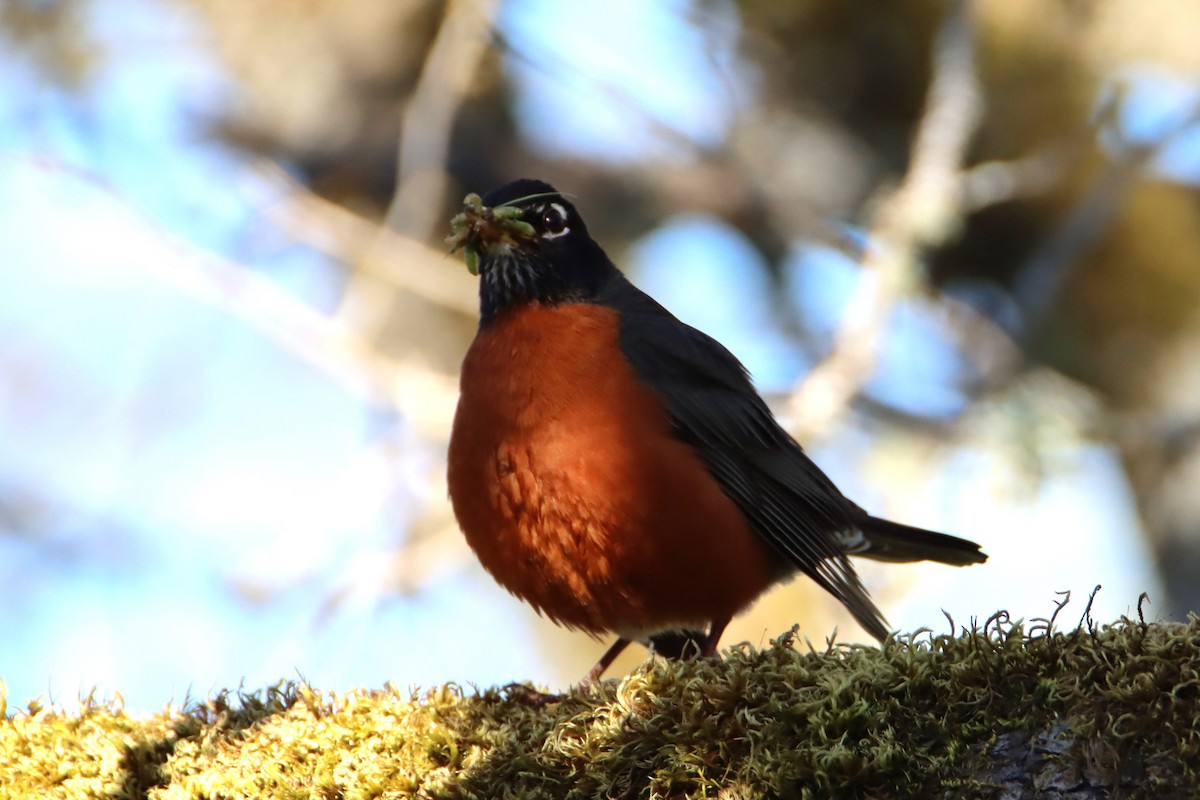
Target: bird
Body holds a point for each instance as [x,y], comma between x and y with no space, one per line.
[616,469]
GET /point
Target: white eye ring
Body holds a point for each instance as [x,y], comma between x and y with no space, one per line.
[562,220]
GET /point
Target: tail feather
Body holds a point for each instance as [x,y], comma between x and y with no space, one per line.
[891,541]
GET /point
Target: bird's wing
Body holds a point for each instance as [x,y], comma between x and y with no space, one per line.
[714,407]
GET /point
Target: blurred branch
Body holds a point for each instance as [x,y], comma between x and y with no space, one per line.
[718,180]
[1044,273]
[423,395]
[446,77]
[421,179]
[54,37]
[401,262]
[925,210]
[995,182]
[573,76]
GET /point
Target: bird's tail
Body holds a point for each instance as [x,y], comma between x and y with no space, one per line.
[891,541]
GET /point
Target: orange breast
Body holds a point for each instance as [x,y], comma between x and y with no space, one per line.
[570,488]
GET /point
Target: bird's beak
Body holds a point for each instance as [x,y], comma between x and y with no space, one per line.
[478,228]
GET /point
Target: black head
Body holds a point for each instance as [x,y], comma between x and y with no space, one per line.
[528,244]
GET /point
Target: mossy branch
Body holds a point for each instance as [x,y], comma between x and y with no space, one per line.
[1004,711]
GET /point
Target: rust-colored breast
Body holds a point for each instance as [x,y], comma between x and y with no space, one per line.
[569,486]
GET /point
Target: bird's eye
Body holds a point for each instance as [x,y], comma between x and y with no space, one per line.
[554,221]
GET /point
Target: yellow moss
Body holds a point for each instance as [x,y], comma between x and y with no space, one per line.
[923,714]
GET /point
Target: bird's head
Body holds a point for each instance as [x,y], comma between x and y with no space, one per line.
[528,244]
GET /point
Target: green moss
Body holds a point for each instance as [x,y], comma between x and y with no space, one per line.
[923,715]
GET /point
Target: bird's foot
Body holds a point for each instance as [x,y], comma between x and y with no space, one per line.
[530,696]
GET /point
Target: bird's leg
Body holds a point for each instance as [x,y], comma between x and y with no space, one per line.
[714,637]
[606,660]
[671,645]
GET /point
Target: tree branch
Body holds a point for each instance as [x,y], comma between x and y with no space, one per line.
[925,210]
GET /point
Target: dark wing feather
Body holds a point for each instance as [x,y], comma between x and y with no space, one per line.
[714,408]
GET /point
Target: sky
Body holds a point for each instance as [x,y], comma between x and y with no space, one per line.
[248,467]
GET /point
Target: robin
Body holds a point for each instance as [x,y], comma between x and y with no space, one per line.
[616,469]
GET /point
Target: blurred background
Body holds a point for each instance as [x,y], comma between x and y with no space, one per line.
[957,244]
